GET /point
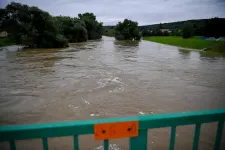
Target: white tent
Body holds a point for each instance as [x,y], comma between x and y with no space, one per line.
[221,39]
[211,38]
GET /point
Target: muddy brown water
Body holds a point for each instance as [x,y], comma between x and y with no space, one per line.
[106,78]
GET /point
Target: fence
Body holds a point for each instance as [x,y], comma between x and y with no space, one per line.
[135,128]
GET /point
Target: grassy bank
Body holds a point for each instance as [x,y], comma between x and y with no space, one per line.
[6,42]
[193,43]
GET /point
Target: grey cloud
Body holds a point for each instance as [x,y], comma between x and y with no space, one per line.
[143,11]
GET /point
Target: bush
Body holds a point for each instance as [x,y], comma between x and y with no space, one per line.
[61,41]
[127,30]
[166,33]
[119,36]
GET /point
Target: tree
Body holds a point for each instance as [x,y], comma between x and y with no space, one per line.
[146,32]
[187,31]
[109,32]
[160,26]
[214,27]
[127,30]
[30,26]
[166,33]
[72,28]
[94,28]
[35,28]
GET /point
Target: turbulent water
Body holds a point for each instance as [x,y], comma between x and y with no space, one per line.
[106,78]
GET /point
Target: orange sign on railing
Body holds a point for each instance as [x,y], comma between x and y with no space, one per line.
[115,130]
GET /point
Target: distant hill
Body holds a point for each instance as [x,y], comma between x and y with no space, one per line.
[214,27]
[109,27]
[175,25]
[172,25]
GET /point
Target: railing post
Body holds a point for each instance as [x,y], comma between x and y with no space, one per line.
[172,137]
[196,136]
[139,142]
[12,145]
[106,144]
[75,142]
[219,135]
[45,143]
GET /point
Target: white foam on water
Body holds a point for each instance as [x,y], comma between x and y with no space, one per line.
[111,147]
[90,58]
[75,109]
[111,80]
[93,115]
[141,113]
[86,102]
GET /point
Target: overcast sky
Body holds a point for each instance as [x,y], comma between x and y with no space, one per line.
[143,11]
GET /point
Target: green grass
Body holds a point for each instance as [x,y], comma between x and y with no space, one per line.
[6,42]
[192,43]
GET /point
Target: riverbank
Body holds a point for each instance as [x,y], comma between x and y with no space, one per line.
[193,43]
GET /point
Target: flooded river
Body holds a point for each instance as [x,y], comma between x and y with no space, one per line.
[106,78]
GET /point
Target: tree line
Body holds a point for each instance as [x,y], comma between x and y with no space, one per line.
[213,27]
[35,28]
[124,30]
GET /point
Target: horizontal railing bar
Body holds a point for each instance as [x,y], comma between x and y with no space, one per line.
[20,132]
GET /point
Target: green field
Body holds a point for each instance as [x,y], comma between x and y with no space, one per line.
[193,43]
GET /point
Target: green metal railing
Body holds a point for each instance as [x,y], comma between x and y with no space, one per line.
[76,128]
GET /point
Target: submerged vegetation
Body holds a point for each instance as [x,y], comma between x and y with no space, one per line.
[35,28]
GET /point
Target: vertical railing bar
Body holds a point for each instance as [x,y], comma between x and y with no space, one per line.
[196,136]
[106,144]
[140,142]
[172,137]
[12,145]
[219,135]
[76,142]
[45,143]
